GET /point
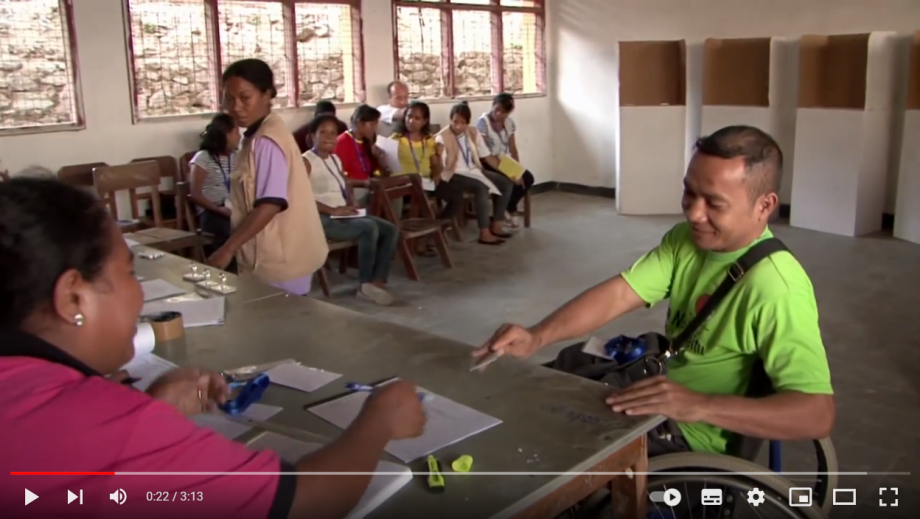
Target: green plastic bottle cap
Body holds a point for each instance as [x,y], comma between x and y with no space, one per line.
[462,464]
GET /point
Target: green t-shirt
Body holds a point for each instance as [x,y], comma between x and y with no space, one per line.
[771,314]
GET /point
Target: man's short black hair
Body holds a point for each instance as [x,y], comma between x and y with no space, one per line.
[763,159]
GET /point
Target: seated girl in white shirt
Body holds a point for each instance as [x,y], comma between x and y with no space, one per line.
[376,237]
[462,149]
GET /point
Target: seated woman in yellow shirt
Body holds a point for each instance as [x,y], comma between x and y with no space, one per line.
[418,153]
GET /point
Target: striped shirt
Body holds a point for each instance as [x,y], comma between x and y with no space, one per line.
[498,142]
[217,181]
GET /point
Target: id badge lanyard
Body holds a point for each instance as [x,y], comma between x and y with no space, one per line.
[465,150]
[418,163]
[338,178]
[364,165]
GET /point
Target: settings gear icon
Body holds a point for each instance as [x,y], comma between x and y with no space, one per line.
[755,497]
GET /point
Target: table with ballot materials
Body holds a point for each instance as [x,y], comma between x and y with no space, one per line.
[556,442]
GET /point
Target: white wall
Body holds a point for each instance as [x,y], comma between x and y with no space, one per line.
[584,36]
[111,136]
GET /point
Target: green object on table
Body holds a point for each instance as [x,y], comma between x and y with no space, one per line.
[462,464]
[435,479]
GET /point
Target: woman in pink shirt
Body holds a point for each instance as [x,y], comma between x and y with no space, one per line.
[69,303]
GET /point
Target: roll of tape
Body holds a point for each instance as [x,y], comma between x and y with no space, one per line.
[166,325]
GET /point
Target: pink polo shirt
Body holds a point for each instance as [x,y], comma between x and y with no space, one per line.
[55,419]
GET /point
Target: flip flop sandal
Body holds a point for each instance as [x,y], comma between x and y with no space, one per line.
[501,234]
[499,242]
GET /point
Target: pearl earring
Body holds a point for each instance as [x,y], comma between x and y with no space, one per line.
[79,319]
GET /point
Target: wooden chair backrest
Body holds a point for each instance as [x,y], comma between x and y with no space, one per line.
[109,180]
[4,176]
[79,174]
[169,167]
[185,210]
[185,167]
[398,187]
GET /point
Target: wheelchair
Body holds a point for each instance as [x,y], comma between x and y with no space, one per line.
[681,471]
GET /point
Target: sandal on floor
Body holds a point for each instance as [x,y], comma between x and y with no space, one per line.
[499,242]
[501,234]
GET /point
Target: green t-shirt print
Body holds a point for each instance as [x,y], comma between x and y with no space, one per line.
[771,314]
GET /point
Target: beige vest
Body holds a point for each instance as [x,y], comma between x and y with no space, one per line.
[452,148]
[293,244]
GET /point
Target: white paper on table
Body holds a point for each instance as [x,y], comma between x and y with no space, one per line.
[428,184]
[448,423]
[239,425]
[195,312]
[303,378]
[158,289]
[131,243]
[596,347]
[359,213]
[390,148]
[381,487]
[147,367]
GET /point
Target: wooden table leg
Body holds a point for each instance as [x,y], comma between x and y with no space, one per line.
[629,492]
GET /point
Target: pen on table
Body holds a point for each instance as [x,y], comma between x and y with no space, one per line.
[354,386]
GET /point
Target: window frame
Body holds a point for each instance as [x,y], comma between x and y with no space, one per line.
[73,72]
[293,70]
[448,70]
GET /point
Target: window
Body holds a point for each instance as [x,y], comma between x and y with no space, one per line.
[468,48]
[38,78]
[179,48]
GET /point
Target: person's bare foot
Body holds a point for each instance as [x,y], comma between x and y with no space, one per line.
[498,231]
[487,238]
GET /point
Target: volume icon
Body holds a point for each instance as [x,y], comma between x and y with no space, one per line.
[71,497]
[119,496]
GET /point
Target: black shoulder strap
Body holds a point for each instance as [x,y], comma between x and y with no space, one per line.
[736,271]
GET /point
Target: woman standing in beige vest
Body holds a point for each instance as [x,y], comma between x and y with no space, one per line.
[277,235]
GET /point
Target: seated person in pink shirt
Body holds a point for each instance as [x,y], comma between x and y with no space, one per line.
[69,303]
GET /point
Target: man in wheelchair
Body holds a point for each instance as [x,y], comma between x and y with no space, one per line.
[770,317]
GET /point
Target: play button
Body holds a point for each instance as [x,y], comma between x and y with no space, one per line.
[30,497]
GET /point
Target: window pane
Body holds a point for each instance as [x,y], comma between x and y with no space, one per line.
[253,29]
[471,2]
[328,64]
[174,73]
[472,53]
[520,3]
[36,74]
[521,53]
[418,35]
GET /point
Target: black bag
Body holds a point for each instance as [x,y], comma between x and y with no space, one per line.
[658,348]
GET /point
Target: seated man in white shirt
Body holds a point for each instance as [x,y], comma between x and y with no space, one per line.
[398,100]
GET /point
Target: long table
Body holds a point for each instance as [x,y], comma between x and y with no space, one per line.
[553,423]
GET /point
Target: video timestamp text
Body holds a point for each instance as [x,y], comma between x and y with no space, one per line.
[175,495]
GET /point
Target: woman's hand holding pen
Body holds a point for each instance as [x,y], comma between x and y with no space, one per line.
[190,390]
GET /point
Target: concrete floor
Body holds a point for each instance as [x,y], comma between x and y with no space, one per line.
[868,314]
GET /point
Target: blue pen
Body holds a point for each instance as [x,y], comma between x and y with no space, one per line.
[354,386]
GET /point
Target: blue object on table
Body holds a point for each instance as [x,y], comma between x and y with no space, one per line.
[250,393]
[364,388]
[624,349]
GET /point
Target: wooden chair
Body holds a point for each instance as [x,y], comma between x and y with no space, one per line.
[169,168]
[109,180]
[184,166]
[79,174]
[4,176]
[421,221]
[185,214]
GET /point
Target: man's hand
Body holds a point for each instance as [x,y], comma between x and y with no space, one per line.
[658,395]
[221,258]
[510,339]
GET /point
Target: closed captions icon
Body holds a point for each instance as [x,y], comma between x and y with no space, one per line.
[119,496]
[711,496]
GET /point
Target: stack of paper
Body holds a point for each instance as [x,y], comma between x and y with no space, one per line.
[147,367]
[448,423]
[360,213]
[382,486]
[300,377]
[238,425]
[195,311]
[159,289]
